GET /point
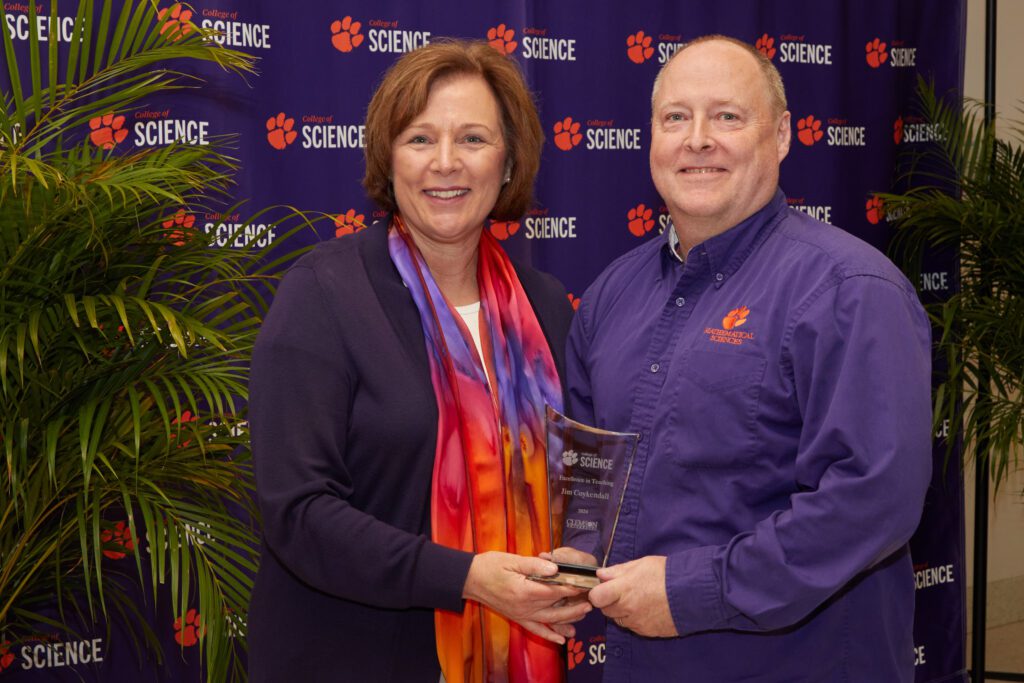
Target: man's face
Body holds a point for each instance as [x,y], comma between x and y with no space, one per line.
[716,142]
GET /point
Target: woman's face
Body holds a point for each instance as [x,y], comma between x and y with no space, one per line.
[448,164]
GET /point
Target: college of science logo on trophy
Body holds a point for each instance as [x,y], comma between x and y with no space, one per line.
[588,470]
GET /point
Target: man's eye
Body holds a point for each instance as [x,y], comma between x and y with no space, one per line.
[726,116]
[674,117]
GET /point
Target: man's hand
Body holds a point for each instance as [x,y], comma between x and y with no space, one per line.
[499,581]
[632,594]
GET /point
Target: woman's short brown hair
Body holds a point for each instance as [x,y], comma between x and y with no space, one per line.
[402,96]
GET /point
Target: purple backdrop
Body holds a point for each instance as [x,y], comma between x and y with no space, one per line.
[850,70]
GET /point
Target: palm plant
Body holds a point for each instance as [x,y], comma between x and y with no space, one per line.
[124,341]
[971,199]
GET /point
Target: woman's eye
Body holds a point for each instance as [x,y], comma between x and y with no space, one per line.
[418,139]
[474,138]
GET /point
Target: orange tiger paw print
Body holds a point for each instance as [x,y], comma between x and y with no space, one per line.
[808,130]
[766,46]
[189,632]
[735,318]
[638,47]
[874,210]
[500,38]
[640,221]
[107,130]
[875,53]
[279,131]
[504,229]
[177,25]
[567,134]
[574,651]
[348,223]
[345,35]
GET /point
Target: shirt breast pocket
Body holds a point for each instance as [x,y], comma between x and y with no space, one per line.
[713,415]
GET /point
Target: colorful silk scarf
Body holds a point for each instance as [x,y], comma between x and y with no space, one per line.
[489,489]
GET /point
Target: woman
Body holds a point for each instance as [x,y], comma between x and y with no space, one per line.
[397,397]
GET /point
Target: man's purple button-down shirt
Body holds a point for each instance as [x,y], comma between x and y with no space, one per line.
[780,379]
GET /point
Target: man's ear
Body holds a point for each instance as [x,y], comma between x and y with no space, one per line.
[783,135]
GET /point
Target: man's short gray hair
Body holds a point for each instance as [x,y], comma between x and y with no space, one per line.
[776,90]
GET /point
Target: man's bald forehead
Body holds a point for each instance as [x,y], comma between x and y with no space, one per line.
[774,88]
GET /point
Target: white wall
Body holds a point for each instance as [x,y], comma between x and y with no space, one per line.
[1006,511]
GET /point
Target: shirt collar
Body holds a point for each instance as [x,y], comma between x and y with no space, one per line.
[727,251]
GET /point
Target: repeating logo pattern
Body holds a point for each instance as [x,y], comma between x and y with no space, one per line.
[187,632]
[176,26]
[808,130]
[279,131]
[897,130]
[178,224]
[6,656]
[348,223]
[504,229]
[874,210]
[640,220]
[120,535]
[345,35]
[875,53]
[766,46]
[574,652]
[502,39]
[638,47]
[107,130]
[567,134]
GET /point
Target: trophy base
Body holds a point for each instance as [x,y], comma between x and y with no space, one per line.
[575,575]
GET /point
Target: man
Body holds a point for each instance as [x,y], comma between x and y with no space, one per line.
[778,372]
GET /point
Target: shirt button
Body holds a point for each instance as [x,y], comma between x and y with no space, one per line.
[627,509]
[655,367]
[617,651]
[719,277]
[680,301]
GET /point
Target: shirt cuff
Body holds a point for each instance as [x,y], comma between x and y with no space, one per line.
[694,594]
[441,575]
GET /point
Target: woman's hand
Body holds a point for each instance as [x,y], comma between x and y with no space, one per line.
[499,581]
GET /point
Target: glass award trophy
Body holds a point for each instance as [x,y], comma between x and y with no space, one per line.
[588,469]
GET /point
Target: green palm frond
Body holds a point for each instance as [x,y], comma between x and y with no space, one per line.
[970,197]
[124,342]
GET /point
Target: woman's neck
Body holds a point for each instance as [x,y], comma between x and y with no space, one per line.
[454,268]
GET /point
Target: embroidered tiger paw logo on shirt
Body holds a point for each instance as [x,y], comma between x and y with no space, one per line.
[504,229]
[187,632]
[808,130]
[766,46]
[875,54]
[345,35]
[120,536]
[349,223]
[501,37]
[567,134]
[735,318]
[279,131]
[638,47]
[874,210]
[177,25]
[640,220]
[574,300]
[107,130]
[574,653]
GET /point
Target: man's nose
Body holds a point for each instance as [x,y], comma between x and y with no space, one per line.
[699,138]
